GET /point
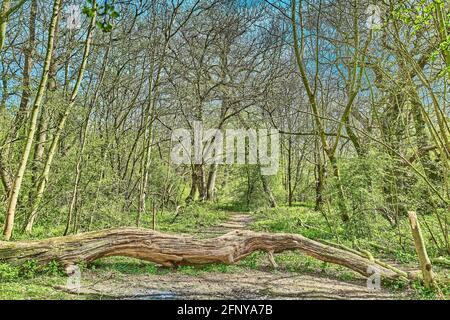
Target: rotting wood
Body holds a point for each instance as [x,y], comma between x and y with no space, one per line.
[173,250]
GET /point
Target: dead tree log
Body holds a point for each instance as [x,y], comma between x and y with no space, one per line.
[173,250]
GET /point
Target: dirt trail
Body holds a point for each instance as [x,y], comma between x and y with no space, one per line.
[236,221]
[247,284]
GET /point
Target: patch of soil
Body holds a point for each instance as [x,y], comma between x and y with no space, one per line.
[246,285]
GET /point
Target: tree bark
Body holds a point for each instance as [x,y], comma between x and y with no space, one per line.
[44,119]
[320,175]
[4,177]
[211,184]
[17,184]
[201,181]
[289,173]
[3,21]
[28,66]
[194,185]
[174,250]
[149,117]
[320,186]
[39,151]
[424,260]
[268,191]
[5,14]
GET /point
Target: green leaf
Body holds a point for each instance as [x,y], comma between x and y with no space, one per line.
[114,14]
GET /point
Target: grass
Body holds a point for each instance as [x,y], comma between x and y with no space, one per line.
[40,288]
[194,219]
[130,266]
[31,281]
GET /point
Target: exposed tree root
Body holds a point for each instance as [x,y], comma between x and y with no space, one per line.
[173,250]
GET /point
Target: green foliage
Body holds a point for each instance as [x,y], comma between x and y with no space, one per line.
[105,11]
[422,16]
[8,272]
[420,292]
[314,225]
[53,269]
[132,266]
[29,269]
[245,190]
[252,261]
[194,217]
[37,288]
[293,220]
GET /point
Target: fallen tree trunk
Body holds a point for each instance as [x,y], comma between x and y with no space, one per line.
[173,250]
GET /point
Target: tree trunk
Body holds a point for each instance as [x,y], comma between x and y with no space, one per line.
[194,185]
[356,74]
[211,185]
[173,250]
[4,178]
[320,186]
[146,158]
[289,173]
[424,260]
[201,182]
[83,138]
[17,184]
[51,154]
[268,191]
[44,120]
[360,149]
[320,174]
[28,66]
[341,201]
[4,21]
[78,172]
[5,13]
[39,150]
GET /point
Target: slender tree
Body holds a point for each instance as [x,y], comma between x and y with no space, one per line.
[17,183]
[62,122]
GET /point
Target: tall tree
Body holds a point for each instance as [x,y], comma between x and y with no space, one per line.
[62,122]
[18,179]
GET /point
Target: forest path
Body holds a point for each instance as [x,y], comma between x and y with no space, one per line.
[241,283]
[236,221]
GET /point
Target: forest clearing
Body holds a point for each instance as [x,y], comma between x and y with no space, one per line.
[224,149]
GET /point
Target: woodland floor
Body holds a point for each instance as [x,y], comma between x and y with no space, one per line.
[227,282]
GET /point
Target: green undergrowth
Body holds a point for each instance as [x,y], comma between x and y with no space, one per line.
[40,288]
[190,219]
[377,236]
[31,281]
